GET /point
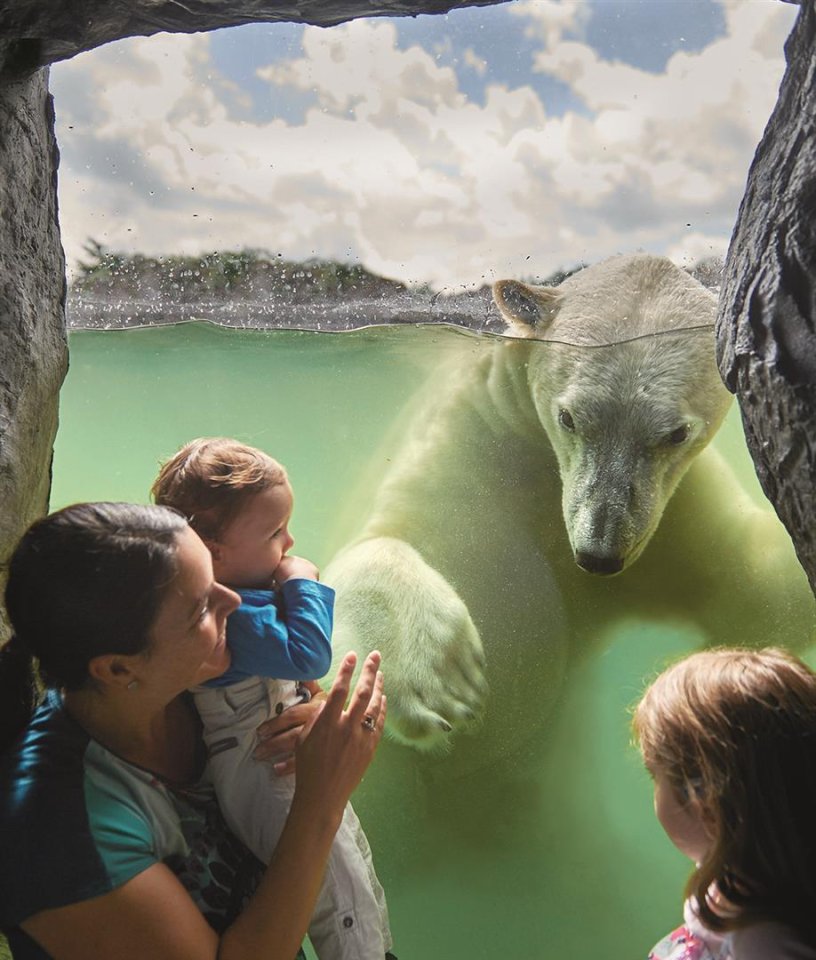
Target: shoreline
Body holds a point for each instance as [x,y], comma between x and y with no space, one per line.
[473,310]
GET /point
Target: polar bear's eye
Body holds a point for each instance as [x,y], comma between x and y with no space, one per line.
[678,436]
[566,421]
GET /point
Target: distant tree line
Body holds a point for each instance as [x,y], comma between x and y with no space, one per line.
[249,273]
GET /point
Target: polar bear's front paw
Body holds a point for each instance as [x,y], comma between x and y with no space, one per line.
[389,599]
[438,684]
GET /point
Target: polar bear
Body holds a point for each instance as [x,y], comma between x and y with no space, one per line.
[537,498]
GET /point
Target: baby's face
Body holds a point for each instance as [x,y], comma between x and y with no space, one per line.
[681,818]
[250,549]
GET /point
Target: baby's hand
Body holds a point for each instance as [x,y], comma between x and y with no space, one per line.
[279,736]
[291,568]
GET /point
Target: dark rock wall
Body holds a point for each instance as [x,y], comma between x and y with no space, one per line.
[766,327]
[43,31]
[33,351]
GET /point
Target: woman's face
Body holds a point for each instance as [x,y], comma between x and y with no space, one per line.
[188,637]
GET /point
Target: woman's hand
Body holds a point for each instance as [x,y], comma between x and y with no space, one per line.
[338,743]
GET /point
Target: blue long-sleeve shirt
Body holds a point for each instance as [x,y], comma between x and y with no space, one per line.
[284,634]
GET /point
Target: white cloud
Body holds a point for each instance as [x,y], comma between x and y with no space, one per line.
[550,20]
[475,62]
[394,166]
[688,133]
[694,248]
[357,68]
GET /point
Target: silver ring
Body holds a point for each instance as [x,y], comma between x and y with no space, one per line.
[369,723]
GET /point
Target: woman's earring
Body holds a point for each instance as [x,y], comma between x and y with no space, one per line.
[133,684]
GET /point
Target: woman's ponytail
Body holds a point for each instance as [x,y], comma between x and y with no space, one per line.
[19,690]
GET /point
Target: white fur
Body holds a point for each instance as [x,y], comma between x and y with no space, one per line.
[465,571]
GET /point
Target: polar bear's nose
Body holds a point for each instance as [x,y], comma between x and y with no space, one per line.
[604,566]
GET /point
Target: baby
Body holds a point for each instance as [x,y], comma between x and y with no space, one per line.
[239,501]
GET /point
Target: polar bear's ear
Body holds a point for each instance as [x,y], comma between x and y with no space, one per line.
[527,310]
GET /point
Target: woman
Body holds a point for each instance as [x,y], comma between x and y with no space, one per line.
[112,843]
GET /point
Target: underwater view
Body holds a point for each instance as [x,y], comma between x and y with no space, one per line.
[527,830]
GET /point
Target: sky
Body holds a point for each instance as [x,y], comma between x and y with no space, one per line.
[454,150]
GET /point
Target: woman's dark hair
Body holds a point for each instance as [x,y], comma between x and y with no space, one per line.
[735,733]
[84,581]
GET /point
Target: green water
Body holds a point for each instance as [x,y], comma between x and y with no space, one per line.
[560,859]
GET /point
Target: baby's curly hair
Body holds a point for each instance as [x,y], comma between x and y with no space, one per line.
[210,479]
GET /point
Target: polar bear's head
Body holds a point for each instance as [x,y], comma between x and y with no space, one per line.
[626,388]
